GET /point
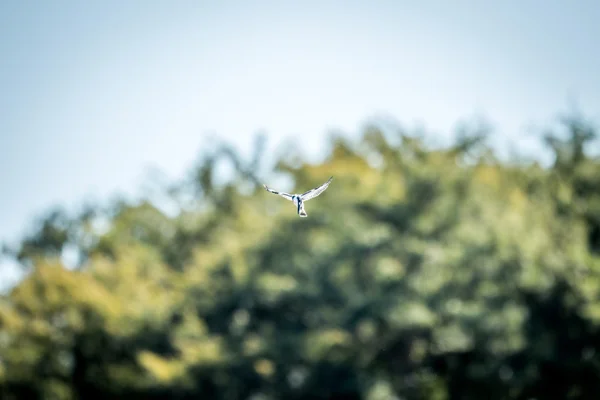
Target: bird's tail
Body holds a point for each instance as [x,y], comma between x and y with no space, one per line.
[302,211]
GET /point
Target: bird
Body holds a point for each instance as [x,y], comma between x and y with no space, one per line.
[299,199]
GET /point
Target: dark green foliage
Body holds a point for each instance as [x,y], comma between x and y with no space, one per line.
[420,274]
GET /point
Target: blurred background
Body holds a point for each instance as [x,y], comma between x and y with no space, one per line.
[456,254]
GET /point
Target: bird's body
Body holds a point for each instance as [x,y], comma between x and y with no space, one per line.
[299,199]
[299,205]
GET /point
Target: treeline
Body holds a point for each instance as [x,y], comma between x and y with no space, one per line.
[421,273]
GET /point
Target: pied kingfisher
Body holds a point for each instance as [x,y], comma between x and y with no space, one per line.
[299,199]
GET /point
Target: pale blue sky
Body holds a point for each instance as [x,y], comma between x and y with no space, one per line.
[94,93]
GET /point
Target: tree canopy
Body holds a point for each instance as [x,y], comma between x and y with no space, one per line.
[421,273]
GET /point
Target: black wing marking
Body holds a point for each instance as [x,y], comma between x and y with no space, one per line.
[312,193]
[282,194]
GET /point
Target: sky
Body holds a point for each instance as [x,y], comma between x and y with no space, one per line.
[94,94]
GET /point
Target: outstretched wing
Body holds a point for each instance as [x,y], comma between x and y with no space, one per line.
[312,193]
[282,194]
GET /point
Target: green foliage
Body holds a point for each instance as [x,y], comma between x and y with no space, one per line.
[420,274]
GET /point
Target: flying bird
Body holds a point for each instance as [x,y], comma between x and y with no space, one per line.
[299,199]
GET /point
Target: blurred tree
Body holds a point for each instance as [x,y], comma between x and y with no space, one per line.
[421,273]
